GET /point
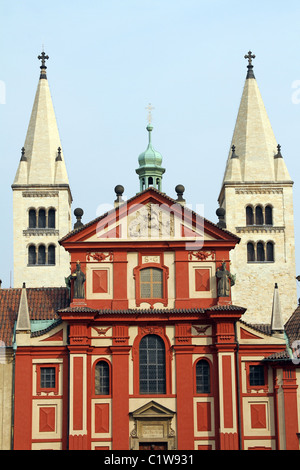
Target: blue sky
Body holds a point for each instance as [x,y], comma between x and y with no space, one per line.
[110,58]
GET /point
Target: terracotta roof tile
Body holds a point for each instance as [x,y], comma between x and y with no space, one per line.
[43,304]
[292,326]
[278,356]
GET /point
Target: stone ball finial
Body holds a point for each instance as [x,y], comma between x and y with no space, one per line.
[119,190]
[78,212]
[221,215]
[220,212]
[180,190]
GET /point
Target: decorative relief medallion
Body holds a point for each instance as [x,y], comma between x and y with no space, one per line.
[202,255]
[95,256]
[102,331]
[201,329]
[150,221]
[152,330]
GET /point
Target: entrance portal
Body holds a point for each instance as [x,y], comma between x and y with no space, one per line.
[153,446]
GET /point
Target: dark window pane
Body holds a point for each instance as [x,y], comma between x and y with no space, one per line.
[32,254]
[270,251]
[257,375]
[102,378]
[42,218]
[259,216]
[42,254]
[152,365]
[51,218]
[47,377]
[249,216]
[260,252]
[250,252]
[202,377]
[51,254]
[32,218]
[269,215]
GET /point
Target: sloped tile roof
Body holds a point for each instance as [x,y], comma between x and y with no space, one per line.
[292,326]
[43,304]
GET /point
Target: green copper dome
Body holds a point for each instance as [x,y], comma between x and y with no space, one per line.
[150,171]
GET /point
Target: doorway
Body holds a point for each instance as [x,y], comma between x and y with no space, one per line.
[153,446]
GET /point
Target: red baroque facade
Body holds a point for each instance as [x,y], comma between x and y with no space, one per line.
[153,355]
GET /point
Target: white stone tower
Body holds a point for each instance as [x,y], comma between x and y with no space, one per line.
[41,198]
[256,194]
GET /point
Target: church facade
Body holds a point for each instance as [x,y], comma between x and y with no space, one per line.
[152,341]
[151,352]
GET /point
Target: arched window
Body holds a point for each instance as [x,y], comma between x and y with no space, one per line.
[51,254]
[269,215]
[42,218]
[250,252]
[102,378]
[42,254]
[32,218]
[270,251]
[152,365]
[151,283]
[249,216]
[202,377]
[260,250]
[259,218]
[32,254]
[51,218]
[150,180]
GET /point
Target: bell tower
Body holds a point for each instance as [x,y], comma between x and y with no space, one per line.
[150,170]
[41,198]
[257,195]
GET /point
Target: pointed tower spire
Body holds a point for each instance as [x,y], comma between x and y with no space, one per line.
[41,197]
[150,170]
[276,323]
[253,137]
[256,195]
[23,319]
[42,139]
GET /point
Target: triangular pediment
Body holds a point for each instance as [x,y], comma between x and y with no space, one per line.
[246,334]
[258,333]
[152,410]
[150,215]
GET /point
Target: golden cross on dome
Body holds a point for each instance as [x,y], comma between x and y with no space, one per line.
[149,107]
[250,56]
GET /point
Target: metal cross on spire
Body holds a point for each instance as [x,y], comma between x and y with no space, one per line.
[43,57]
[250,56]
[149,107]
